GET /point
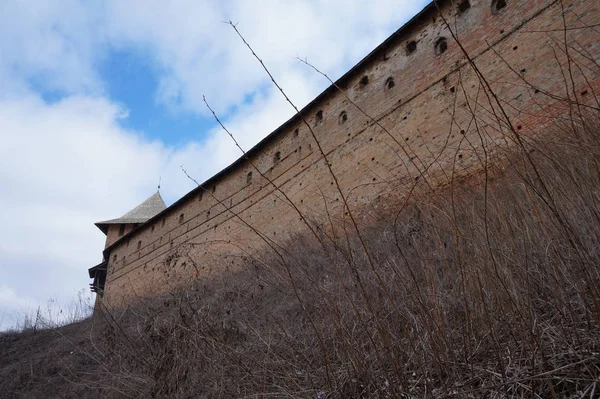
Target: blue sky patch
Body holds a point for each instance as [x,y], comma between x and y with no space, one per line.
[131,80]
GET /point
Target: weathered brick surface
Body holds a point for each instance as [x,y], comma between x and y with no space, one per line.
[113,233]
[425,133]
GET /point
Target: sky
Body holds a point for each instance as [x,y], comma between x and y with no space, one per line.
[101,99]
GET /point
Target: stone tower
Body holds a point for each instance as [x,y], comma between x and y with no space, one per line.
[117,228]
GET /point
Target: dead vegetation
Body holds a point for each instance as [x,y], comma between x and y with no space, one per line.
[484,288]
[475,293]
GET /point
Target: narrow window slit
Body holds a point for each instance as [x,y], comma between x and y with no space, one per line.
[498,5]
[463,6]
[441,45]
[343,117]
[318,117]
[389,83]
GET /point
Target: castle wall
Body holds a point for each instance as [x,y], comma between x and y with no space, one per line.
[419,132]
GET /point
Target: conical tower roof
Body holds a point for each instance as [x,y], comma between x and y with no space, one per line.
[140,214]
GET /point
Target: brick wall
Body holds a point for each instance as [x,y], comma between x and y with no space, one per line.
[420,130]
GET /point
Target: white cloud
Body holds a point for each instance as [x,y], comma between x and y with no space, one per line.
[9,298]
[52,43]
[199,54]
[67,164]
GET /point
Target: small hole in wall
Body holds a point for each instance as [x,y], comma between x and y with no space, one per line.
[584,93]
[411,47]
[460,156]
[463,6]
[277,157]
[343,117]
[139,244]
[171,244]
[249,178]
[214,188]
[115,258]
[523,70]
[389,83]
[364,80]
[452,89]
[498,5]
[181,218]
[515,48]
[441,45]
[296,132]
[519,127]
[318,117]
[462,132]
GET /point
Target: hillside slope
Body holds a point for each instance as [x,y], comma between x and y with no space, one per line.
[487,288]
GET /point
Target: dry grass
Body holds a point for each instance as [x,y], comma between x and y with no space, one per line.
[484,290]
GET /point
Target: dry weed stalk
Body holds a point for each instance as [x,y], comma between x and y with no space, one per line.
[488,289]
